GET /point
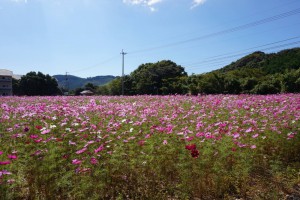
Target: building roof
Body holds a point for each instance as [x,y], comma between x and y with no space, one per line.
[5,72]
[86,92]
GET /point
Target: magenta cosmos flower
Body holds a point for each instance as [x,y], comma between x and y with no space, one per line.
[12,156]
[190,147]
[93,161]
[7,162]
[76,162]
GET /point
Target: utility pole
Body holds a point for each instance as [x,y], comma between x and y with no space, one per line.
[67,82]
[123,54]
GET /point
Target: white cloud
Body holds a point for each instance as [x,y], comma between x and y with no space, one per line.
[197,3]
[152,2]
[148,3]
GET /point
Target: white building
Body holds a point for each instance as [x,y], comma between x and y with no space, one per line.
[6,82]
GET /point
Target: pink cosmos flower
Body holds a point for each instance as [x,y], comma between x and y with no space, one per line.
[141,142]
[99,149]
[4,172]
[76,162]
[249,130]
[200,134]
[236,135]
[1,152]
[81,150]
[255,135]
[7,162]
[165,142]
[34,136]
[45,131]
[190,138]
[148,136]
[12,156]
[208,135]
[38,140]
[93,161]
[253,146]
[38,152]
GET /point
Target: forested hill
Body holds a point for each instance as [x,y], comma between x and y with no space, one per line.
[77,82]
[268,63]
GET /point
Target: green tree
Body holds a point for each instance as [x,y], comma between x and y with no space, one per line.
[90,86]
[271,85]
[248,84]
[16,87]
[103,90]
[177,85]
[115,87]
[212,83]
[232,85]
[38,84]
[291,81]
[148,78]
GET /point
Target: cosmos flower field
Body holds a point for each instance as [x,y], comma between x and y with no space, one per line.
[150,147]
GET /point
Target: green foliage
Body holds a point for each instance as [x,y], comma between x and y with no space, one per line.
[16,87]
[90,86]
[291,81]
[158,78]
[254,60]
[175,85]
[257,73]
[164,77]
[33,84]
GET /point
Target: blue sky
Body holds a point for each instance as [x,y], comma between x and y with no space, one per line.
[85,37]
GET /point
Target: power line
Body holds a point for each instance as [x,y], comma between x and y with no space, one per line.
[245,53]
[212,58]
[226,31]
[281,5]
[96,65]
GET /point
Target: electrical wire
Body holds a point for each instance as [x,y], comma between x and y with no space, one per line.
[212,58]
[226,31]
[96,65]
[242,54]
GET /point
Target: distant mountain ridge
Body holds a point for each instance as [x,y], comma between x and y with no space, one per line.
[77,82]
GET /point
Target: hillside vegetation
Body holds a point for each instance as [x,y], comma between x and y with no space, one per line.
[256,73]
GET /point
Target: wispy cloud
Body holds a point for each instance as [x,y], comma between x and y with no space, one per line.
[197,3]
[148,3]
[19,1]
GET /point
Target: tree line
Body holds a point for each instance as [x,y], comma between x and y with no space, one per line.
[250,81]
[256,73]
